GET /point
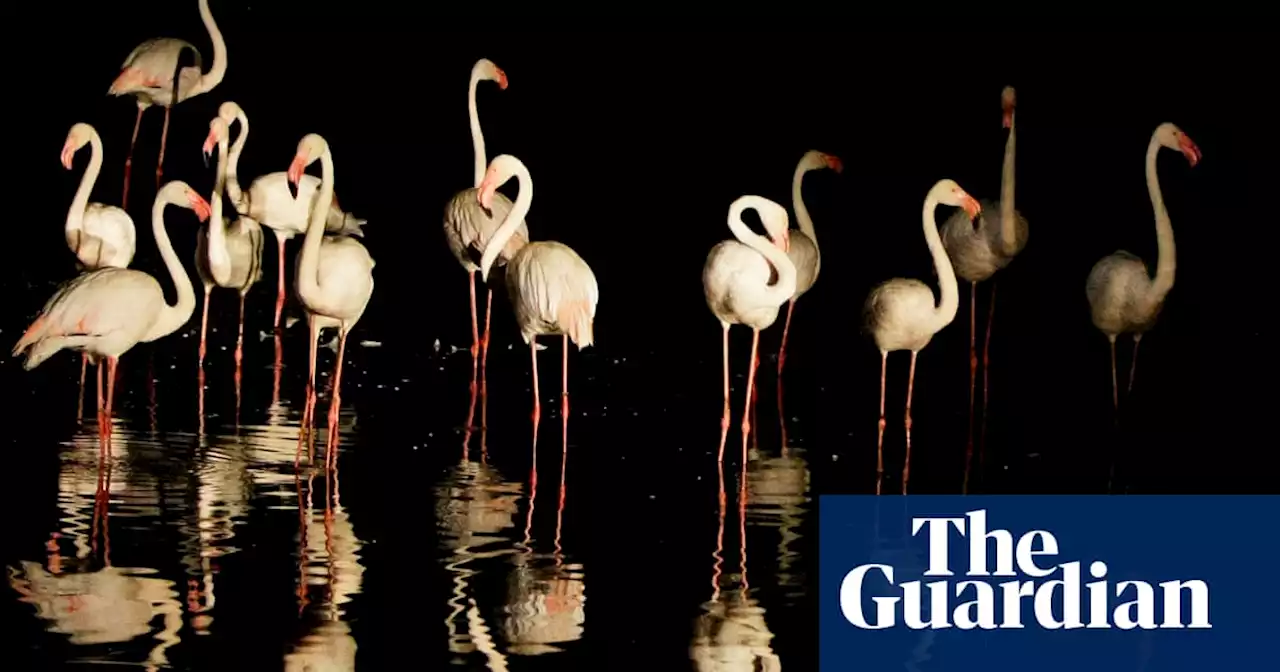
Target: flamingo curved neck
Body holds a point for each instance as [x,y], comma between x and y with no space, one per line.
[797,203]
[171,318]
[239,200]
[75,215]
[1008,225]
[477,135]
[218,70]
[219,258]
[519,209]
[308,277]
[950,300]
[1166,262]
[781,291]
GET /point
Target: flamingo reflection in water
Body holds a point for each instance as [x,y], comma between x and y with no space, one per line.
[328,563]
[108,604]
[545,603]
[732,634]
[779,491]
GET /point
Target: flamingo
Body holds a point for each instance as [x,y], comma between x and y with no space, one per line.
[803,244]
[100,235]
[1123,298]
[148,74]
[334,279]
[901,314]
[736,282]
[104,313]
[469,226]
[228,257]
[979,251]
[270,202]
[552,289]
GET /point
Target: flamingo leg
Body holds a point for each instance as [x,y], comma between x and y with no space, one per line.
[128,159]
[335,402]
[537,405]
[84,367]
[1133,366]
[164,136]
[724,419]
[111,395]
[279,278]
[751,379]
[1115,387]
[884,361]
[564,382]
[906,463]
[973,379]
[475,328]
[786,329]
[308,408]
[204,323]
[102,406]
[986,379]
[484,341]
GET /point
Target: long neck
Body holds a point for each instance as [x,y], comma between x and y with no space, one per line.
[239,201]
[477,136]
[797,203]
[946,310]
[1166,263]
[781,291]
[75,215]
[309,263]
[519,210]
[1008,225]
[218,70]
[219,258]
[171,317]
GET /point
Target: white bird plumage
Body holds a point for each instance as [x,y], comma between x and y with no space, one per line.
[1123,297]
[746,281]
[802,246]
[901,313]
[552,290]
[468,225]
[100,235]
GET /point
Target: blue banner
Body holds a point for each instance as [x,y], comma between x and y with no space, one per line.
[1048,583]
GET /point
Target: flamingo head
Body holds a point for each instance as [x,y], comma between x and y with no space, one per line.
[486,69]
[815,160]
[501,169]
[1172,137]
[1007,101]
[228,112]
[217,135]
[310,148]
[950,193]
[77,137]
[181,193]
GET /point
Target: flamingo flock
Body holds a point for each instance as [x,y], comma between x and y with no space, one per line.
[108,308]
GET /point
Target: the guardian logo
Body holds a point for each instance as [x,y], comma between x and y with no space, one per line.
[989,604]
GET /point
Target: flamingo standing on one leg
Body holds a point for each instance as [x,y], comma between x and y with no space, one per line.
[901,314]
[1123,297]
[978,250]
[334,281]
[270,202]
[100,235]
[553,291]
[469,225]
[228,257]
[736,282]
[104,313]
[150,74]
[803,244]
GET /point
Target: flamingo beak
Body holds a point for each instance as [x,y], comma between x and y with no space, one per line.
[207,150]
[971,206]
[1007,122]
[1189,149]
[295,174]
[68,152]
[201,206]
[484,195]
[786,240]
[834,163]
[502,79]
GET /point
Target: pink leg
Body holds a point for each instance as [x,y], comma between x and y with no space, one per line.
[484,341]
[973,379]
[724,419]
[786,329]
[279,279]
[128,159]
[84,366]
[475,328]
[1133,366]
[335,402]
[986,378]
[102,404]
[164,136]
[111,395]
[537,405]
[884,361]
[309,406]
[239,334]
[564,382]
[1115,387]
[204,323]
[751,379]
[906,464]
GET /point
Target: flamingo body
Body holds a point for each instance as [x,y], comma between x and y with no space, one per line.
[345,284]
[807,260]
[899,314]
[553,292]
[244,251]
[147,73]
[271,204]
[1117,288]
[106,239]
[468,227]
[975,247]
[731,282]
